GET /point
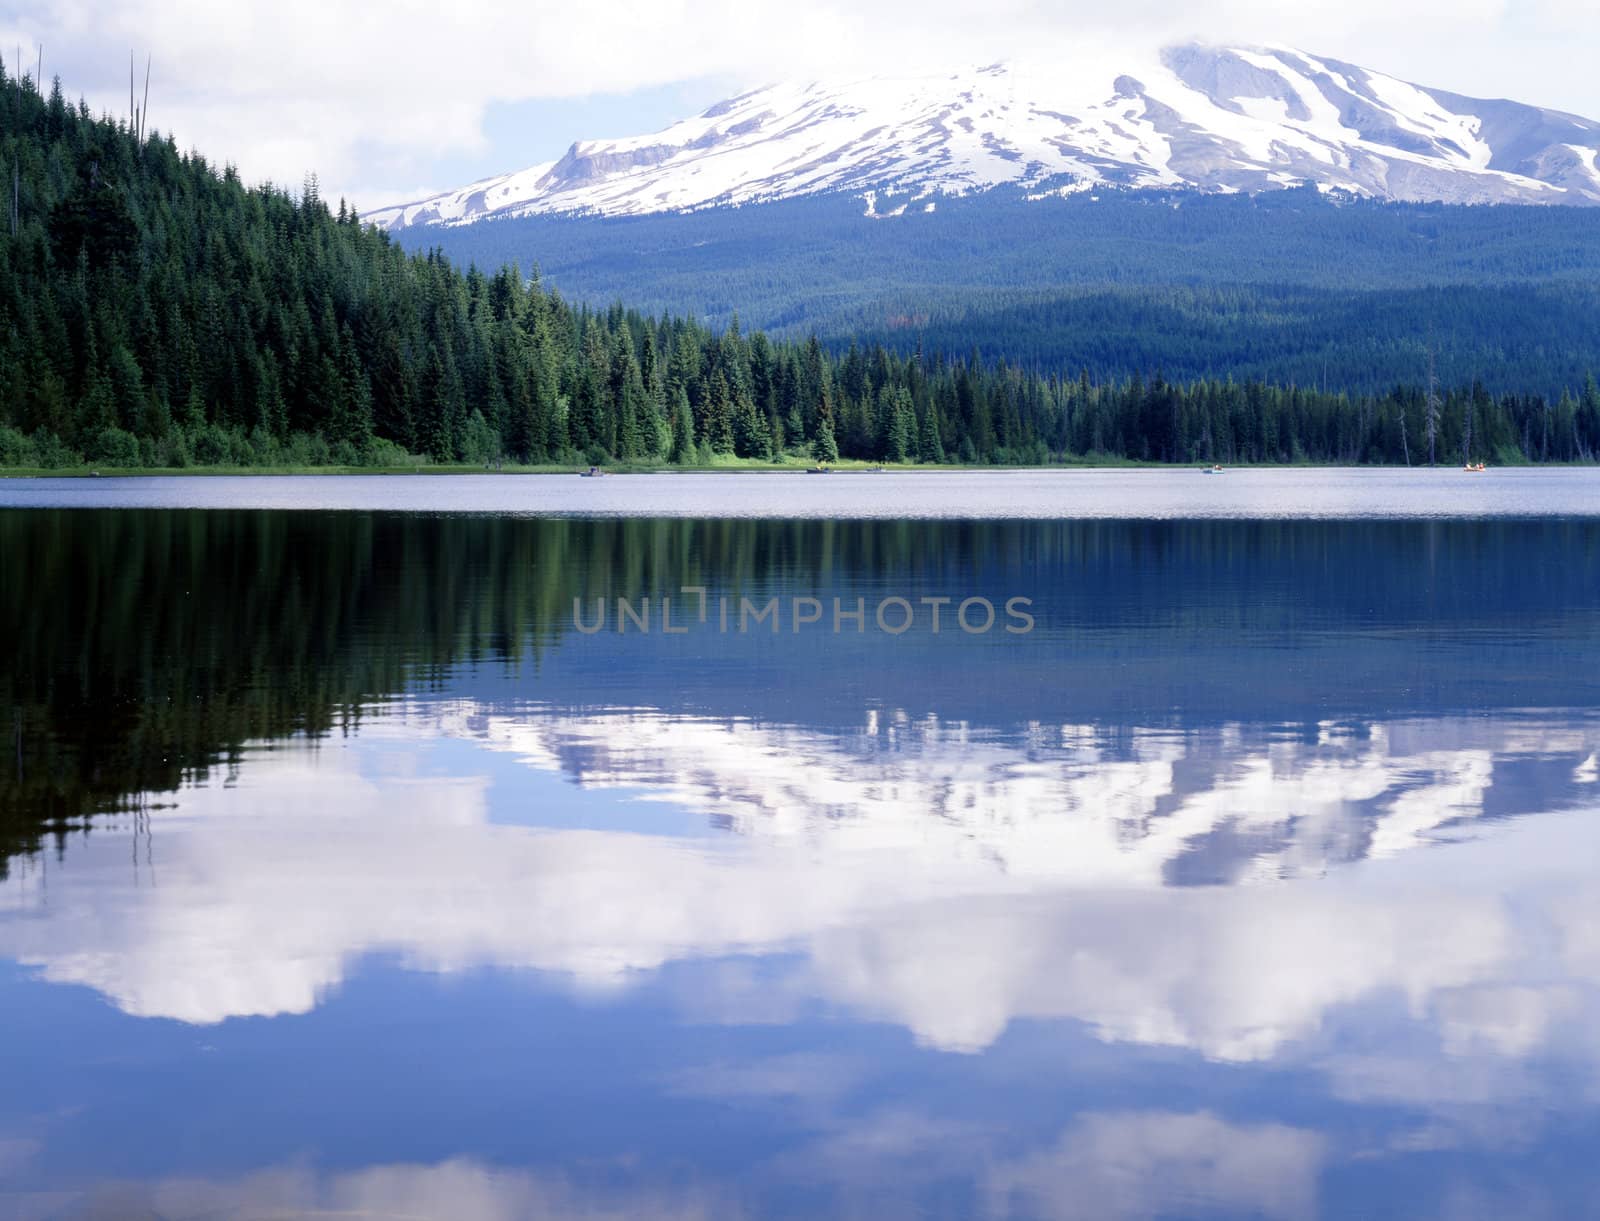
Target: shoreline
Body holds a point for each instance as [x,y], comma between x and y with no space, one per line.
[763,468]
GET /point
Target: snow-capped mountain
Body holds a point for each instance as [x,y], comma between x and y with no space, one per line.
[1213,118]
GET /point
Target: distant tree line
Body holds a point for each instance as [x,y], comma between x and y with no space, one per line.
[154,311]
[1285,287]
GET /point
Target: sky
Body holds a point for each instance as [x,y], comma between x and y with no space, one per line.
[394,102]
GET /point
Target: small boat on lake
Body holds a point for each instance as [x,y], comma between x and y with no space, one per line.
[594,472]
[1211,470]
[819,470]
[1475,468]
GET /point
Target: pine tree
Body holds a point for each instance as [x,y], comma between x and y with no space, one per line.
[902,441]
[930,448]
[1589,419]
[824,448]
[355,387]
[719,416]
[752,437]
[683,443]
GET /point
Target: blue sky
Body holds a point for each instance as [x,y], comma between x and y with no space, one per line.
[542,129]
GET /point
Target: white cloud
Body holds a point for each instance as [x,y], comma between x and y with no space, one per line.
[372,98]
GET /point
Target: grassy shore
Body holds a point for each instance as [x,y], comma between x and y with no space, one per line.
[788,465]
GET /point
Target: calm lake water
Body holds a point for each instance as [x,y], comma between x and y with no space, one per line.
[346,866]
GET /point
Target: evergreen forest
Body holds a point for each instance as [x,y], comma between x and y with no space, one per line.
[158,312]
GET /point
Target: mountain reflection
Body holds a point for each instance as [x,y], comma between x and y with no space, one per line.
[949,882]
[1077,803]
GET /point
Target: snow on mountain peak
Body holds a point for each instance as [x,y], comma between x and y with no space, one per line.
[1212,118]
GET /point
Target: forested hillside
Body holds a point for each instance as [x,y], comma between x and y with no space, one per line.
[155,311]
[1286,286]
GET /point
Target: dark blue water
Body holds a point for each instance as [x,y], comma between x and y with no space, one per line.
[344,872]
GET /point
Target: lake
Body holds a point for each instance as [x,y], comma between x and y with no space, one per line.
[1078,844]
[1308,492]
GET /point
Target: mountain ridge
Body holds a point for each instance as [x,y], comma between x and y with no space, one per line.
[1221,119]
